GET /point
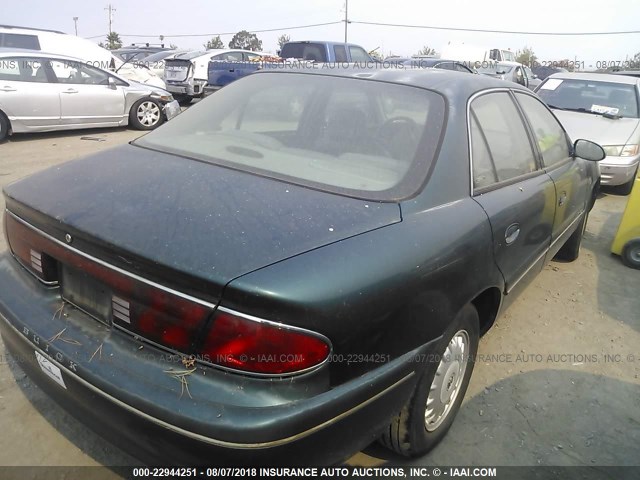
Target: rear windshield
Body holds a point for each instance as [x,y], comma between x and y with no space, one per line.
[590,96]
[305,51]
[357,137]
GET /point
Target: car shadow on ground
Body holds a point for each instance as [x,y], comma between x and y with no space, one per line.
[88,132]
[617,283]
[539,418]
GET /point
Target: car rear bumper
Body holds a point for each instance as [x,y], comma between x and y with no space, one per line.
[192,88]
[125,390]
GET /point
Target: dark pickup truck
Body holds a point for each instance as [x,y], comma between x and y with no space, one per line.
[221,73]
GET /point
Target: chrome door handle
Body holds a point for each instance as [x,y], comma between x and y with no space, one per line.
[512,233]
[7,89]
[70,90]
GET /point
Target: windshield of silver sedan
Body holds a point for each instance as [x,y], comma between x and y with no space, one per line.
[352,136]
[589,96]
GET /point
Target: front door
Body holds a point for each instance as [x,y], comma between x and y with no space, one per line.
[568,174]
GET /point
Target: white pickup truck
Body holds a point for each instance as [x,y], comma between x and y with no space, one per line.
[186,74]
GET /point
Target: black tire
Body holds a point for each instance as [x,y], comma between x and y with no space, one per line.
[631,254]
[408,433]
[146,114]
[4,127]
[625,188]
[183,100]
[570,251]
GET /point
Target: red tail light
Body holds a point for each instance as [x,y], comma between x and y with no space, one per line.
[171,319]
[262,347]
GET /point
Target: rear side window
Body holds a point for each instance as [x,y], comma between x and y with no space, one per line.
[551,138]
[18,40]
[22,70]
[341,53]
[506,136]
[304,51]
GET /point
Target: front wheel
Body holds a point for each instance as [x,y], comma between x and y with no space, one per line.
[427,417]
[146,114]
[631,254]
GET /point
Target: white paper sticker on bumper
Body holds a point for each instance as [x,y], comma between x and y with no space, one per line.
[50,370]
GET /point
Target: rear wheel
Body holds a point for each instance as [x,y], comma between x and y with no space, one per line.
[570,251]
[146,114]
[4,127]
[427,417]
[631,254]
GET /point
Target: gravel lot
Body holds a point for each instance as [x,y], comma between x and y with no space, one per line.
[556,381]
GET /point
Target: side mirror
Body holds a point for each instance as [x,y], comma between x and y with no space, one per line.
[112,83]
[588,150]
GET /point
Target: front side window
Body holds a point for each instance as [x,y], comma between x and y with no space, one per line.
[356,137]
[551,138]
[359,55]
[78,73]
[506,135]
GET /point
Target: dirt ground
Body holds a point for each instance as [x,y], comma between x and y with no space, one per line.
[556,382]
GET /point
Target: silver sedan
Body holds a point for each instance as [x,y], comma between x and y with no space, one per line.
[43,92]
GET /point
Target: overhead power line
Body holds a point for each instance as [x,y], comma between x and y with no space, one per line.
[381,24]
[481,30]
[228,33]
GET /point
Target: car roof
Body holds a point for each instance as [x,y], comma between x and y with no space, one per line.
[23,52]
[455,83]
[28,29]
[324,42]
[600,77]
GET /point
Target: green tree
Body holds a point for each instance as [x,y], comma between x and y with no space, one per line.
[214,43]
[426,51]
[282,39]
[113,42]
[246,41]
[526,56]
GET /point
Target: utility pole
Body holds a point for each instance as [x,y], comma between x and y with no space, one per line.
[111,10]
[346,20]
[75,23]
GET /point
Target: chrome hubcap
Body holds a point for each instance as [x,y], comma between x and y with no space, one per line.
[635,255]
[447,381]
[148,114]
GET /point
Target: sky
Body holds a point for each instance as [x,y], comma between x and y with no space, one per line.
[152,18]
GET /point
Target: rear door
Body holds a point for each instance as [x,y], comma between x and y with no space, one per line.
[568,174]
[86,98]
[510,185]
[26,95]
